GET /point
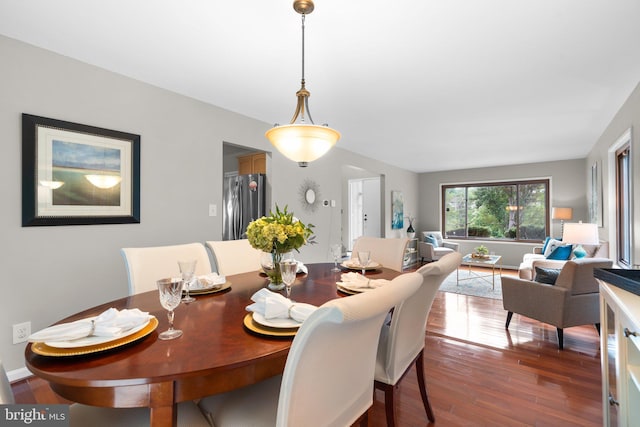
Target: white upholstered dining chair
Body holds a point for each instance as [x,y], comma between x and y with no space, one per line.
[328,376]
[189,415]
[387,252]
[234,256]
[147,265]
[402,341]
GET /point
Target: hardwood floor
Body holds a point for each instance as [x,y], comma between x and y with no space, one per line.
[479,374]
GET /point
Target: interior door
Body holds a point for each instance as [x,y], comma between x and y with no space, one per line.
[371,207]
[364,209]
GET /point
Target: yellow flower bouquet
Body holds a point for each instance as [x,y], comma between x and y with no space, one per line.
[277,234]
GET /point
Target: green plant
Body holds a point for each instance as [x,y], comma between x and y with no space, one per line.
[482,250]
[279,232]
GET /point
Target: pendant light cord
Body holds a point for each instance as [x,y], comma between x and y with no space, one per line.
[303,15]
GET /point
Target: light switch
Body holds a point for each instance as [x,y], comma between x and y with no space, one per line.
[213,209]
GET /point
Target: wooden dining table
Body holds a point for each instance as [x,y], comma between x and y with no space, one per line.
[215,354]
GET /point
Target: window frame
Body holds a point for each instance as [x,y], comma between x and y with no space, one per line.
[517,183]
[624,222]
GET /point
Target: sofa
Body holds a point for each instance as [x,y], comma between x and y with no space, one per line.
[432,246]
[537,258]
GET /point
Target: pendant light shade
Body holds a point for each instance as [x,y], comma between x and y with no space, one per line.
[302,142]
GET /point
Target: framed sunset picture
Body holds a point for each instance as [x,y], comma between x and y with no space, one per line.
[76,174]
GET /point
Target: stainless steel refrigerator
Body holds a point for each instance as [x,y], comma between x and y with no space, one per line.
[244,201]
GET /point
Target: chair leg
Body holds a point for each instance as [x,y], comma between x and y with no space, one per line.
[388,401]
[509,316]
[597,325]
[423,387]
[560,338]
[363,421]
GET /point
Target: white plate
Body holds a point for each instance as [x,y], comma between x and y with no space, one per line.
[356,266]
[346,290]
[356,289]
[92,340]
[275,323]
[208,290]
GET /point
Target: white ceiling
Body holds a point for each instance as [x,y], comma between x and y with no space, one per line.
[425,85]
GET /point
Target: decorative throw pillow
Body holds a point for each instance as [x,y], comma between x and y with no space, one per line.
[591,250]
[432,240]
[551,246]
[579,252]
[561,253]
[547,275]
[544,245]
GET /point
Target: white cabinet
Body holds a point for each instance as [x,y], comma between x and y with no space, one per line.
[620,353]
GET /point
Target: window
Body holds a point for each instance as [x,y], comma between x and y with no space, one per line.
[516,210]
[623,209]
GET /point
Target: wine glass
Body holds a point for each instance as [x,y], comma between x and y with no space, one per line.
[336,252]
[364,258]
[288,269]
[187,269]
[170,291]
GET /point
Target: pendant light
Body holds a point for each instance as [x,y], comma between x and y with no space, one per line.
[303,142]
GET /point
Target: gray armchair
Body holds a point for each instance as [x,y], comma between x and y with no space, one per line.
[429,252]
[572,301]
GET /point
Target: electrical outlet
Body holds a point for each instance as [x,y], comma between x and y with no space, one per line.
[21,332]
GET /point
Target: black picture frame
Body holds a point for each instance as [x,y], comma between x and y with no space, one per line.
[99,167]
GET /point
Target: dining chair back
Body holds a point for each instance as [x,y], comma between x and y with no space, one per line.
[387,252]
[402,340]
[234,256]
[189,415]
[6,395]
[328,376]
[147,265]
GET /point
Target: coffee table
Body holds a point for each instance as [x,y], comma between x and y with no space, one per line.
[490,261]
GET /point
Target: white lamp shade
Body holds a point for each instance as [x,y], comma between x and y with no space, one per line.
[303,143]
[579,233]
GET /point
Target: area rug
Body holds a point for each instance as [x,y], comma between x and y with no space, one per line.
[472,285]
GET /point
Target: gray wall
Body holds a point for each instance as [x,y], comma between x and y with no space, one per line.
[568,189]
[627,118]
[52,272]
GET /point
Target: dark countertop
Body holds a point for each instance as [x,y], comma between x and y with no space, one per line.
[629,280]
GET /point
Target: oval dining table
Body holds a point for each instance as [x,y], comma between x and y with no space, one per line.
[215,354]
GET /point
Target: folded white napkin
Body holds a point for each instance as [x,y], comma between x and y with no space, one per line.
[355,263]
[206,281]
[357,280]
[275,306]
[110,323]
[302,268]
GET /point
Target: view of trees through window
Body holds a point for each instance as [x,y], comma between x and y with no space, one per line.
[503,210]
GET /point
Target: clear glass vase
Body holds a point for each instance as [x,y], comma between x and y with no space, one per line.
[270,263]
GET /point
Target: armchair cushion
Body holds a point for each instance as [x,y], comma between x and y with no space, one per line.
[547,275]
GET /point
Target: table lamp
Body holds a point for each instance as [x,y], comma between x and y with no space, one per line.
[579,233]
[562,214]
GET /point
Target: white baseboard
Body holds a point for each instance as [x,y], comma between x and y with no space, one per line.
[18,374]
